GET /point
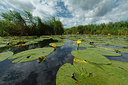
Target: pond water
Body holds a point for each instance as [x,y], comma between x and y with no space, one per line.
[34,73]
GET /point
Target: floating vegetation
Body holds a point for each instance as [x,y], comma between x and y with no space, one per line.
[90,56]
[36,40]
[83,45]
[123,50]
[91,42]
[90,66]
[41,58]
[33,54]
[5,55]
[77,60]
[85,74]
[58,44]
[2,45]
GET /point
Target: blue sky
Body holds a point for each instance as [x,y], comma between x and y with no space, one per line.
[72,12]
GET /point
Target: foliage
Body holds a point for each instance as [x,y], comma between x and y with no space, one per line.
[57,44]
[5,55]
[14,23]
[117,28]
[85,74]
[90,56]
[33,54]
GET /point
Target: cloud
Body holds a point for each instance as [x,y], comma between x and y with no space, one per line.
[22,4]
[72,12]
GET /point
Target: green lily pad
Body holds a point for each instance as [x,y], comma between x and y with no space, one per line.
[123,50]
[84,74]
[36,40]
[118,72]
[83,45]
[32,54]
[2,45]
[59,44]
[121,65]
[90,56]
[5,55]
[104,52]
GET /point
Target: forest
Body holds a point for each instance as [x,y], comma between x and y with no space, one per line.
[13,23]
[117,28]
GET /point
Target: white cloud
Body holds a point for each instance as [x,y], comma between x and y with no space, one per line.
[21,4]
[95,11]
[82,11]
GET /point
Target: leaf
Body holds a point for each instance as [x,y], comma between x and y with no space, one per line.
[84,74]
[84,45]
[119,64]
[57,44]
[5,55]
[118,72]
[33,53]
[124,50]
[90,56]
[2,45]
[64,75]
[36,40]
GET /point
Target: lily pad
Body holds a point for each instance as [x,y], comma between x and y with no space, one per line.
[121,65]
[84,45]
[59,44]
[84,74]
[36,40]
[33,54]
[124,50]
[90,56]
[118,72]
[104,52]
[2,45]
[5,55]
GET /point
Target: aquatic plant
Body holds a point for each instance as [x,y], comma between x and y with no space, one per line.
[78,42]
[58,44]
[91,42]
[54,46]
[86,74]
[41,58]
[5,55]
[33,54]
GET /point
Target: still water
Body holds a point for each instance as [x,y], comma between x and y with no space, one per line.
[34,73]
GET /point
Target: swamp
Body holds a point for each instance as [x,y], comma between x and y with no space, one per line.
[102,62]
[63,42]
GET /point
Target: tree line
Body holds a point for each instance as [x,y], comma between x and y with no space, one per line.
[13,23]
[117,28]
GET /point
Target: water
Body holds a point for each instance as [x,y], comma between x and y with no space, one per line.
[123,58]
[34,73]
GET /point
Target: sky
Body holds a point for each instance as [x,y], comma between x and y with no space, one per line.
[72,12]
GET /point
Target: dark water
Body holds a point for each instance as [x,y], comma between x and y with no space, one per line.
[123,58]
[34,73]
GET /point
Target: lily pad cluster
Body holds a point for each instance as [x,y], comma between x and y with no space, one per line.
[120,41]
[58,44]
[123,50]
[90,67]
[30,55]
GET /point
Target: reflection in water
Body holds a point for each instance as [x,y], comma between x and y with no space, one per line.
[33,73]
